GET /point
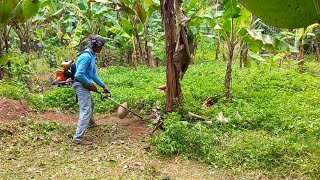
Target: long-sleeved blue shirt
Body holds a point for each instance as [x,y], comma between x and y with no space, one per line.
[86,69]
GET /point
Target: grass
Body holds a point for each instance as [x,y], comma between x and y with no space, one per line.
[274,124]
[42,150]
[277,129]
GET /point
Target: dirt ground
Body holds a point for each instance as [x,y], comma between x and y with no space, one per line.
[121,151]
[11,110]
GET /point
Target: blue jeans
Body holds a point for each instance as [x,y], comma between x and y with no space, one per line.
[86,109]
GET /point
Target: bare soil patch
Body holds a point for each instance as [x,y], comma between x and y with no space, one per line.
[16,109]
[13,109]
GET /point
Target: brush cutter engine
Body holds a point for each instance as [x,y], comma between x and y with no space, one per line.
[65,75]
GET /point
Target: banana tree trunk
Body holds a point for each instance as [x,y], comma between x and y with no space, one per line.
[173,87]
[23,32]
[143,58]
[228,77]
[130,59]
[135,59]
[316,48]
[151,60]
[147,48]
[4,39]
[6,45]
[1,53]
[301,58]
[217,50]
[243,55]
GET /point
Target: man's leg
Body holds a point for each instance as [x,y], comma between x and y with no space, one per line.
[85,102]
[91,122]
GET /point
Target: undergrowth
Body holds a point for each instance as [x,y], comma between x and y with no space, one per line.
[274,116]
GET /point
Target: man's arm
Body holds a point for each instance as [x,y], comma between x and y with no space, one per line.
[97,79]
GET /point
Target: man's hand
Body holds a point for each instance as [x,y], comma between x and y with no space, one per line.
[92,87]
[106,89]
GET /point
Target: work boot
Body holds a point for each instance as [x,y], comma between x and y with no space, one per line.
[92,124]
[83,142]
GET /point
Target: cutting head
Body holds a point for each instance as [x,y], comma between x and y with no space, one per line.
[122,110]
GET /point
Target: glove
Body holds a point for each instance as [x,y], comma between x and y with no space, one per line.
[106,90]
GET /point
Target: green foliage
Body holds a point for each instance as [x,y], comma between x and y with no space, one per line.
[60,98]
[275,132]
[274,118]
[26,9]
[258,40]
[19,69]
[232,9]
[285,13]
[182,138]
[7,8]
[12,90]
[137,87]
[30,8]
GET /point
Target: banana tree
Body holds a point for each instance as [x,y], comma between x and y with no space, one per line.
[236,28]
[232,12]
[124,37]
[6,13]
[178,49]
[82,19]
[173,87]
[198,15]
[13,11]
[144,12]
[126,6]
[22,22]
[302,34]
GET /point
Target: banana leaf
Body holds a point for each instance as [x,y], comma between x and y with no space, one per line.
[285,13]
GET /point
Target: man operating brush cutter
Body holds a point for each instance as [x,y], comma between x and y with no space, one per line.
[85,74]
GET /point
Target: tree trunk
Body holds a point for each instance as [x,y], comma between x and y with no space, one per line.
[143,58]
[241,54]
[245,56]
[130,60]
[1,53]
[173,87]
[301,58]
[146,47]
[223,52]
[7,47]
[228,77]
[135,59]
[27,36]
[119,18]
[316,48]
[151,61]
[217,50]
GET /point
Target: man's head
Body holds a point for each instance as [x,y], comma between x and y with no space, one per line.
[96,42]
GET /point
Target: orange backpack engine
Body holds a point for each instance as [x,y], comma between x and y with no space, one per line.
[60,75]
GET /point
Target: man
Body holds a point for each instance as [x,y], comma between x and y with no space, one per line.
[85,73]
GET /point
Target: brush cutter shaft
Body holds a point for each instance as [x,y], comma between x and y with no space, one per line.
[103,96]
[124,107]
